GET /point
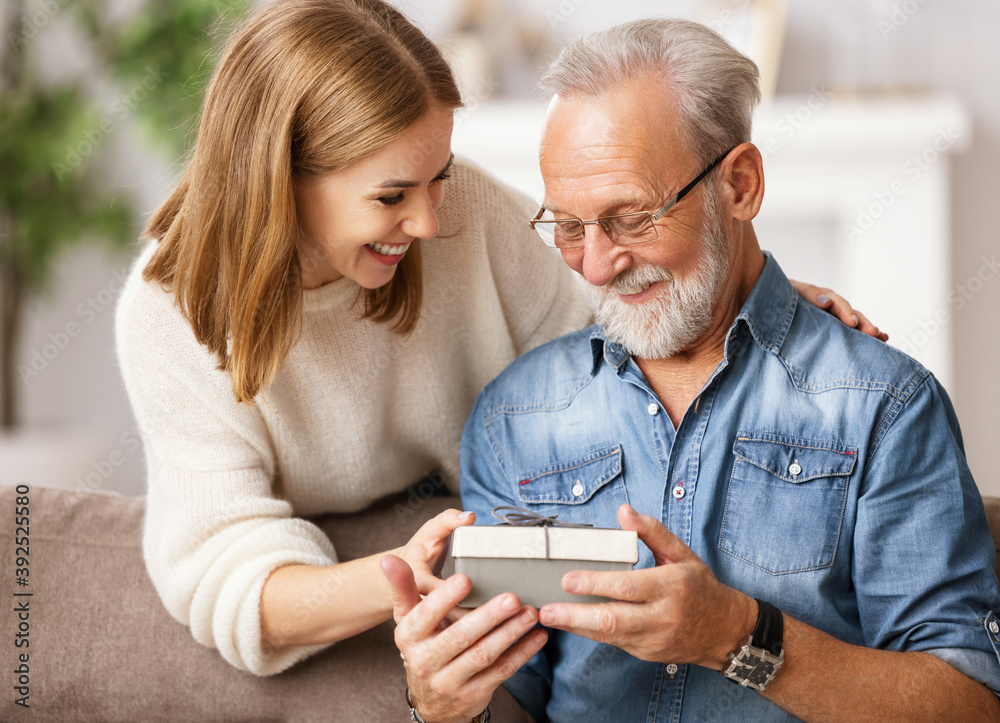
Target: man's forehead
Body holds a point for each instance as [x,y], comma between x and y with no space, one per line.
[640,111]
[616,149]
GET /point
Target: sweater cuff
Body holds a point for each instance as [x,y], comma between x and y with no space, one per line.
[249,652]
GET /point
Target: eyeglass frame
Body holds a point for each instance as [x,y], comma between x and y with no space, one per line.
[653,217]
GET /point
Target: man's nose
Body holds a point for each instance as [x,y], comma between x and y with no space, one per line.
[602,259]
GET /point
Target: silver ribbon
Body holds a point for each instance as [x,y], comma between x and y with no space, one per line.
[522,517]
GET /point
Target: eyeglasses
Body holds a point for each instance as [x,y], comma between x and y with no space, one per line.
[623,229]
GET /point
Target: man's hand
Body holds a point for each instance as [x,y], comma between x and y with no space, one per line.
[675,612]
[453,670]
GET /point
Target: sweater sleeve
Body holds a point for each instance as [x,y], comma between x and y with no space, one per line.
[214,529]
[542,298]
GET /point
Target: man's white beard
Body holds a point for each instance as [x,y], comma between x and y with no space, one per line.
[681,311]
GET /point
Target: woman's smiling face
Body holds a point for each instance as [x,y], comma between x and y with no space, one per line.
[360,221]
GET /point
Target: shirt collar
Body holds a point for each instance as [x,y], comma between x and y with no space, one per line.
[769,309]
[768,313]
[614,354]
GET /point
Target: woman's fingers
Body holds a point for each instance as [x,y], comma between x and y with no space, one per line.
[828,300]
[436,530]
[869,328]
[840,307]
[425,550]
[427,582]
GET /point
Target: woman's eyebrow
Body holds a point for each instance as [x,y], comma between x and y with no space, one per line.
[395,183]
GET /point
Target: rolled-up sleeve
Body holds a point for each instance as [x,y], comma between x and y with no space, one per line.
[924,556]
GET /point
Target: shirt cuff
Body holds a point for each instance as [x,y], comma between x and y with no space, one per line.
[980,665]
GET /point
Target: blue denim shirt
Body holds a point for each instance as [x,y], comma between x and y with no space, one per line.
[818,469]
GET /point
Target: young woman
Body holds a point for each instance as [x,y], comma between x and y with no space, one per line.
[313,320]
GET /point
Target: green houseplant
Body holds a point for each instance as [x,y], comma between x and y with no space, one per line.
[54,187]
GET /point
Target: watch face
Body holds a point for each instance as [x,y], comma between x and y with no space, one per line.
[760,673]
[753,668]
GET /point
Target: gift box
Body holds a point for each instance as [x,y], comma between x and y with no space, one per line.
[530,558]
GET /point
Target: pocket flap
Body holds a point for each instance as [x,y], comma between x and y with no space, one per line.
[795,460]
[571,482]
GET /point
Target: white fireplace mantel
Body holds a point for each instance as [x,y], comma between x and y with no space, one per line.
[857,197]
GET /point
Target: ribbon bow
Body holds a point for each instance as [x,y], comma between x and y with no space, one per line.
[522,517]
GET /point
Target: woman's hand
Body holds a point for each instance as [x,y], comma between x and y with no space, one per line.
[424,553]
[837,305]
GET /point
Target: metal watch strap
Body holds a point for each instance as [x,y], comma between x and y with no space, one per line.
[768,632]
[483,717]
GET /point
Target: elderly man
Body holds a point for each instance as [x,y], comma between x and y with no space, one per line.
[811,528]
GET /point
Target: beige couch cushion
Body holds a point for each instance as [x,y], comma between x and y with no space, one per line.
[102,646]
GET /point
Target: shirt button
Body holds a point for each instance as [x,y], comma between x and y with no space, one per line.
[653,409]
[794,469]
[578,488]
[678,491]
[994,628]
[671,669]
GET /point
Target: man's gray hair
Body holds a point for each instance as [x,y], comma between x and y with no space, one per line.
[715,87]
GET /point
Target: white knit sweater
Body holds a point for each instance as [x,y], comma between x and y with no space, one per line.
[356,413]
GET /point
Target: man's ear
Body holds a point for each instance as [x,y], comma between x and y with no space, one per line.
[742,175]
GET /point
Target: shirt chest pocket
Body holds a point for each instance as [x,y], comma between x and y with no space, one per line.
[587,488]
[785,505]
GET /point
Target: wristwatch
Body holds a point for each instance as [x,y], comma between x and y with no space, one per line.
[757,663]
[483,717]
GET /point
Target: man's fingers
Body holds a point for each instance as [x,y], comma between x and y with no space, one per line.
[481,649]
[513,659]
[456,614]
[405,595]
[468,632]
[665,545]
[425,619]
[626,585]
[604,622]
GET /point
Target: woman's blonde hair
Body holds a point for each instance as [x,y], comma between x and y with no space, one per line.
[303,87]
